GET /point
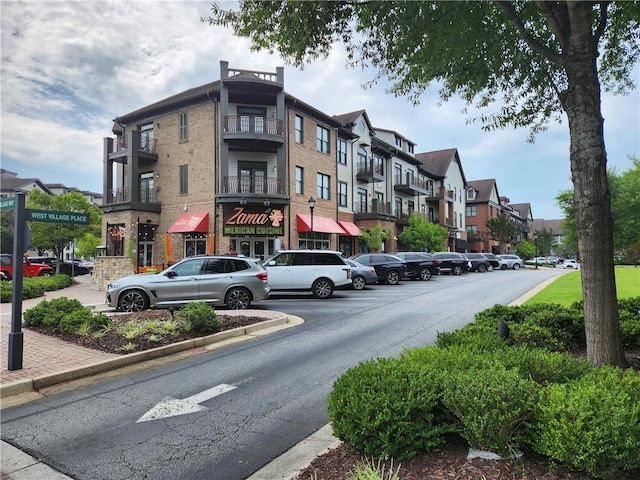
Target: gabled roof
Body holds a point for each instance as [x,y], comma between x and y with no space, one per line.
[555,226]
[483,190]
[524,209]
[439,161]
[12,183]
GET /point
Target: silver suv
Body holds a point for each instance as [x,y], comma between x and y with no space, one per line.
[217,280]
[318,271]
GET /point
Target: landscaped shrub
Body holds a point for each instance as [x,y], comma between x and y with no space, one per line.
[592,423]
[534,335]
[50,312]
[82,318]
[385,408]
[34,287]
[492,406]
[478,337]
[200,317]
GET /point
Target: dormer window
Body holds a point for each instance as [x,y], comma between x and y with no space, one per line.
[471,194]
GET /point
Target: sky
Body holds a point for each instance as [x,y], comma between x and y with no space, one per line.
[69,68]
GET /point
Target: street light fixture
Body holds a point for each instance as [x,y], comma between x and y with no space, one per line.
[312,205]
[535,243]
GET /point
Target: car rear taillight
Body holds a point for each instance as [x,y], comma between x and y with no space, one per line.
[348,270]
[262,276]
[436,262]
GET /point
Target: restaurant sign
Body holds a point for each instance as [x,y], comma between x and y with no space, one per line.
[244,220]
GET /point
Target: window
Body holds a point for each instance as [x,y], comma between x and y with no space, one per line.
[342,152]
[398,202]
[195,244]
[398,141]
[322,139]
[361,206]
[471,194]
[184,179]
[410,147]
[362,159]
[324,191]
[299,131]
[411,207]
[342,194]
[472,231]
[472,210]
[299,180]
[378,164]
[183,127]
[397,173]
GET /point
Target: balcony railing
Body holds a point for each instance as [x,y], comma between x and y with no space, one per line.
[410,184]
[122,195]
[253,124]
[368,171]
[253,184]
[146,143]
[372,207]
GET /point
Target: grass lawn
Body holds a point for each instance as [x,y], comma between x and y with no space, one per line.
[568,288]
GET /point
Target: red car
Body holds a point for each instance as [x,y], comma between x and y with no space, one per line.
[28,269]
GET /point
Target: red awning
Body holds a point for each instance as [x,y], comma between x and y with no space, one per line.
[351,229]
[191,222]
[320,224]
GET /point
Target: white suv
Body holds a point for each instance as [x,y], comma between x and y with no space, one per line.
[320,271]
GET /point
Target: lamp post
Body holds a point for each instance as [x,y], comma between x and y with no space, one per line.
[312,205]
[535,243]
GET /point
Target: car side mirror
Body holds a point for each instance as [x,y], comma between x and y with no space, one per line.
[272,263]
[171,274]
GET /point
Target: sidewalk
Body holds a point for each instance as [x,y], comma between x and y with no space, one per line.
[48,360]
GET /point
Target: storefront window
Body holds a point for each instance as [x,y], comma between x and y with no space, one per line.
[195,244]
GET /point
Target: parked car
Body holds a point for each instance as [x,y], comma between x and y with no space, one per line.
[29,269]
[571,263]
[318,271]
[217,280]
[389,268]
[361,275]
[479,263]
[452,262]
[420,265]
[508,262]
[493,260]
[67,267]
[539,260]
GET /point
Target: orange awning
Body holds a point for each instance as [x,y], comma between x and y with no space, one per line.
[351,229]
[320,224]
[191,222]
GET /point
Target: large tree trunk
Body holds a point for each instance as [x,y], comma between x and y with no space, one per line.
[592,200]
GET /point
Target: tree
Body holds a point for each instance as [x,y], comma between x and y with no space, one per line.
[87,246]
[569,230]
[526,250]
[56,236]
[421,235]
[374,237]
[6,231]
[539,60]
[501,229]
[543,241]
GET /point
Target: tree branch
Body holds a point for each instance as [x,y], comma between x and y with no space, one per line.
[536,46]
[602,24]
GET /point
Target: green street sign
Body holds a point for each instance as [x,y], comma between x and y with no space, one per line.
[7,203]
[51,216]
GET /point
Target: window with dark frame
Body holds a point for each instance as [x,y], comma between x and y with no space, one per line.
[184,179]
[342,194]
[472,210]
[324,187]
[322,139]
[184,134]
[299,180]
[342,152]
[299,130]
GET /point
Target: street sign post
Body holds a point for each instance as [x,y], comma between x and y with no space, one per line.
[52,216]
[7,203]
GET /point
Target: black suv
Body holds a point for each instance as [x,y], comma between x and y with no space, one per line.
[452,262]
[479,263]
[420,265]
[493,260]
[389,268]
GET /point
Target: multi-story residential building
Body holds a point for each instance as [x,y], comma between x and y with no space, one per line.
[10,184]
[447,205]
[482,204]
[522,217]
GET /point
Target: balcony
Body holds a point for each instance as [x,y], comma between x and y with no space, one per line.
[120,199]
[369,173]
[410,185]
[373,210]
[252,185]
[146,144]
[253,128]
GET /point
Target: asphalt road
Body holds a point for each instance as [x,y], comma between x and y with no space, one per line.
[249,402]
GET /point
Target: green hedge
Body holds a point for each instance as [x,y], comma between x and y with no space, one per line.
[34,287]
[64,315]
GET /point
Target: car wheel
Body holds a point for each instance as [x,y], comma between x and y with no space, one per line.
[133,301]
[238,299]
[457,270]
[516,266]
[392,277]
[503,267]
[490,268]
[358,282]
[482,268]
[425,273]
[45,274]
[322,288]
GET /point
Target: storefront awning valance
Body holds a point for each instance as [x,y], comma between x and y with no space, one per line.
[191,222]
[350,228]
[320,224]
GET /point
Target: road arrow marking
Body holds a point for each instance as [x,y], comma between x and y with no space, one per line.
[172,407]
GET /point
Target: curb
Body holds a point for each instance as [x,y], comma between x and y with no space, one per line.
[35,384]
